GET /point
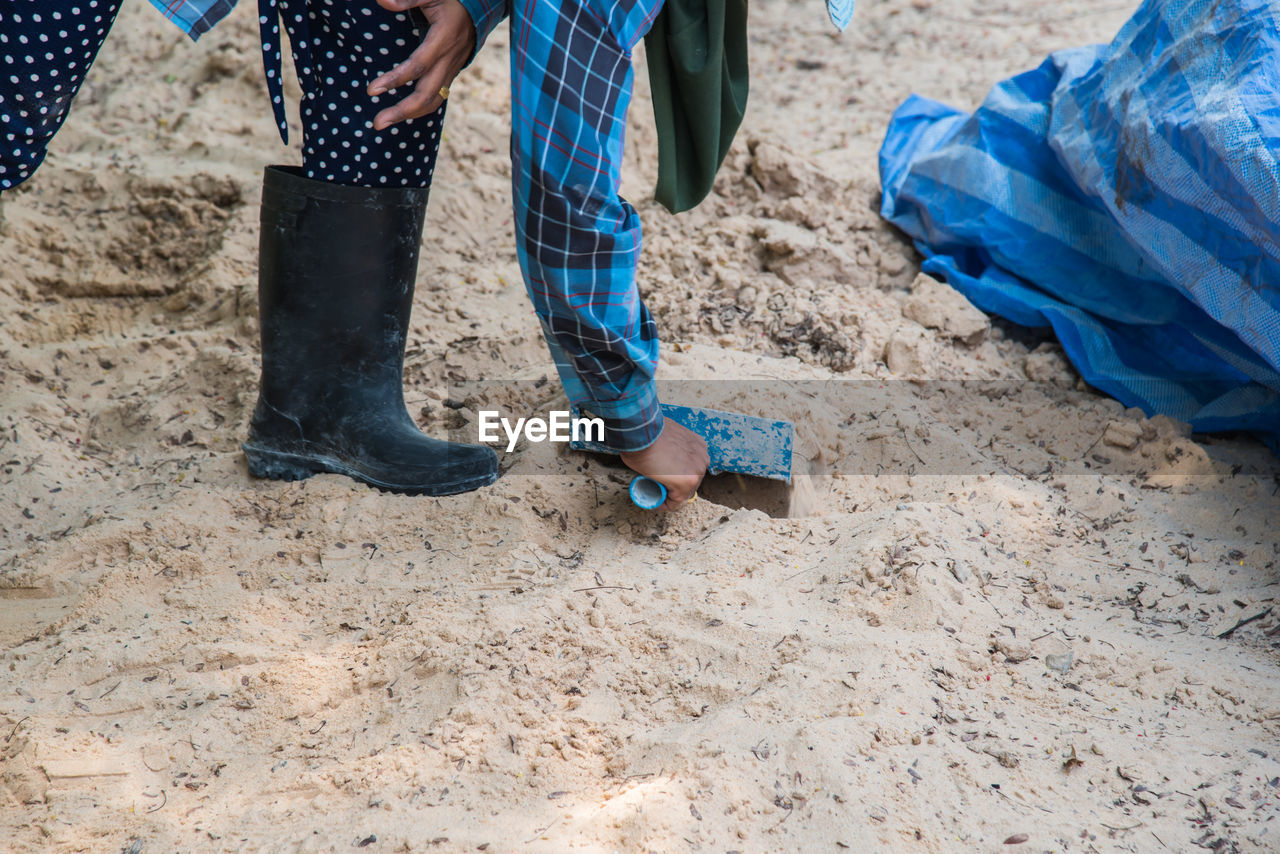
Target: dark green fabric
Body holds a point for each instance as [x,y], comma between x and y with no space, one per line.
[697,52]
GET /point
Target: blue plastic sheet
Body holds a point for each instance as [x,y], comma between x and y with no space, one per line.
[1128,196]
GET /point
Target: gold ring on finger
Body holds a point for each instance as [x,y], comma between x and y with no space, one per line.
[444,92]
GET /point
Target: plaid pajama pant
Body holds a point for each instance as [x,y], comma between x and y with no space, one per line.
[578,240]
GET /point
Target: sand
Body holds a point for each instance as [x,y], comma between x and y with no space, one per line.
[994,613]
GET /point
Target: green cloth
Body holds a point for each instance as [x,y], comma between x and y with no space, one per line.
[697,52]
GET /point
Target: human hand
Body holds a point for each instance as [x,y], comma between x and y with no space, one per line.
[678,460]
[449,44]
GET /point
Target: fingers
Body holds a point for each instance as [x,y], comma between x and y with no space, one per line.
[419,62]
[449,42]
[432,74]
[676,500]
[424,100]
[681,489]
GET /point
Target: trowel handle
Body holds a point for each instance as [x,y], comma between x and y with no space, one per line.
[647,493]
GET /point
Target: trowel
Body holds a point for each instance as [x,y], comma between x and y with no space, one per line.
[743,444]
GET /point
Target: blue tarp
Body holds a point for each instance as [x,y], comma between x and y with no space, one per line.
[1128,196]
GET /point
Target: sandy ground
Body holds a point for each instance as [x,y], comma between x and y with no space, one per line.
[994,614]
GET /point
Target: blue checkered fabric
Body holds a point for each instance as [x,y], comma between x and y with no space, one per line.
[578,240]
[194,17]
[485,17]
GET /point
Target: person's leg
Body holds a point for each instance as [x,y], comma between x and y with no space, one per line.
[338,259]
[347,45]
[46,50]
[578,240]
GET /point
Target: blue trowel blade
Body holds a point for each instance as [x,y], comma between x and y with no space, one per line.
[738,443]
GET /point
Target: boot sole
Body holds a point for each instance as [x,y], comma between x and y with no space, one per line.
[277,465]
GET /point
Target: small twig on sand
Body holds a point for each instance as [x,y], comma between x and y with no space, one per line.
[538,833]
[159,805]
[14,731]
[1244,622]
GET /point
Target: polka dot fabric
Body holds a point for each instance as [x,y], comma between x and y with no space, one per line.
[46,48]
[339,47]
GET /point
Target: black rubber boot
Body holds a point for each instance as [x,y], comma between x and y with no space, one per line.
[335,289]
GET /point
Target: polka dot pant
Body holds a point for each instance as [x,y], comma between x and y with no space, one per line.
[339,47]
[46,49]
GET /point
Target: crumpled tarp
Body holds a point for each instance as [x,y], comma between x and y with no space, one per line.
[1128,196]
